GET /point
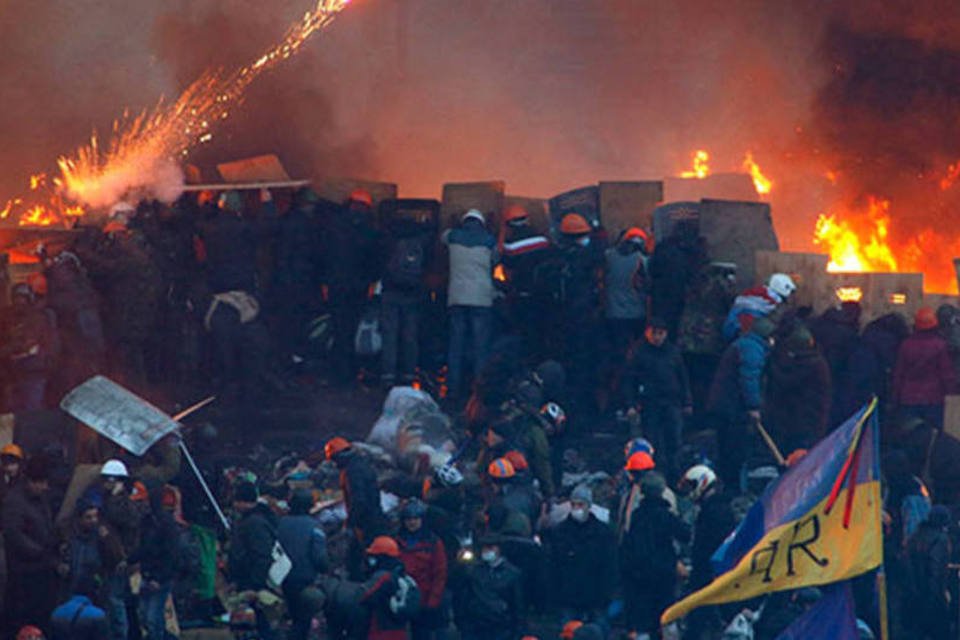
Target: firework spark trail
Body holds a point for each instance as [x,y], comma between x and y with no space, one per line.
[141,156]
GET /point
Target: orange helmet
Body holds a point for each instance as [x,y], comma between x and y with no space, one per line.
[635,233]
[570,629]
[514,212]
[12,450]
[640,461]
[114,226]
[926,318]
[384,546]
[517,459]
[38,282]
[361,195]
[501,469]
[574,224]
[139,492]
[334,446]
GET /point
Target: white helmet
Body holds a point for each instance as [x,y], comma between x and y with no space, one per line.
[474,214]
[114,468]
[782,285]
[449,475]
[700,477]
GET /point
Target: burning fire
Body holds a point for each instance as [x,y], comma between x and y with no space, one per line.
[140,158]
[701,166]
[762,183]
[864,248]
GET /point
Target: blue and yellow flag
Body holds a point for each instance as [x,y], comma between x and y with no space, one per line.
[817,524]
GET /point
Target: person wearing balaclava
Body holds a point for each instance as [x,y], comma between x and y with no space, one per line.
[583,558]
[488,597]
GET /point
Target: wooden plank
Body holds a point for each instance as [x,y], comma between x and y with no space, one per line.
[882,293]
[629,204]
[459,197]
[808,270]
[734,231]
[265,168]
[247,186]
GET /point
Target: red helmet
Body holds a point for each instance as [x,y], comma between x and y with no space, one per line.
[361,195]
[635,233]
[334,446]
[926,318]
[514,212]
[384,546]
[574,224]
[640,461]
[30,632]
[517,459]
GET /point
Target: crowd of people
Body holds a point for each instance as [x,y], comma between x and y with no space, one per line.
[551,345]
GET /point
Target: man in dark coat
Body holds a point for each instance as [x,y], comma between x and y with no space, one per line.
[656,380]
[582,552]
[924,373]
[648,557]
[31,546]
[837,333]
[250,554]
[305,543]
[352,261]
[927,596]
[797,398]
[871,363]
[674,263]
[155,555]
[488,597]
[736,396]
[361,495]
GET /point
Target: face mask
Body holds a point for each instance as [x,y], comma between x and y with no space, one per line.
[580,515]
[584,241]
[489,556]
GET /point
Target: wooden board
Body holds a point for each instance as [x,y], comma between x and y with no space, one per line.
[265,168]
[339,189]
[535,207]
[734,231]
[936,300]
[629,204]
[808,270]
[882,293]
[951,416]
[459,197]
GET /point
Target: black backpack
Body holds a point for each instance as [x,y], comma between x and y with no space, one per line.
[406,264]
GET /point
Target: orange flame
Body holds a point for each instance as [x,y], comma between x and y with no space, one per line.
[38,216]
[861,245]
[701,165]
[762,183]
[849,294]
[953,172]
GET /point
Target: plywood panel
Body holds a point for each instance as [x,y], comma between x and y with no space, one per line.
[719,186]
[265,168]
[882,293]
[951,416]
[808,270]
[459,197]
[734,231]
[629,204]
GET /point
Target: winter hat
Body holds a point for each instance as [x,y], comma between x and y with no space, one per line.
[245,492]
[656,322]
[925,319]
[582,493]
[799,340]
[653,484]
[37,469]
[301,502]
[474,214]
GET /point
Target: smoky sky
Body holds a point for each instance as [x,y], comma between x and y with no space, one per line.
[545,94]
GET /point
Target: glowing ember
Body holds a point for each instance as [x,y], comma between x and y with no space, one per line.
[849,294]
[701,165]
[499,274]
[953,172]
[762,183]
[859,246]
[38,216]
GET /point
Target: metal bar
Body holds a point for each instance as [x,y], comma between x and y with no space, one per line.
[203,483]
[244,186]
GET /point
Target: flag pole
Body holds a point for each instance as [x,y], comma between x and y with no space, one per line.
[882,597]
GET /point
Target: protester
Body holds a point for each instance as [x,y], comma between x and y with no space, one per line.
[424,558]
[928,595]
[29,350]
[625,291]
[924,372]
[758,302]
[386,592]
[78,618]
[470,296]
[488,598]
[250,551]
[306,545]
